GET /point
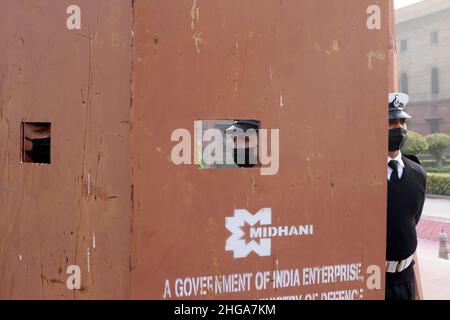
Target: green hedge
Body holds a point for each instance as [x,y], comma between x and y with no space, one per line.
[445,169]
[432,163]
[415,144]
[426,156]
[438,183]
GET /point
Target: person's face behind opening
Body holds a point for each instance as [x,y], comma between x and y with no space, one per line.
[398,131]
[36,143]
[245,151]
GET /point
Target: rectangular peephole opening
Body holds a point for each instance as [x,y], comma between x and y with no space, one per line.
[36,142]
[227,144]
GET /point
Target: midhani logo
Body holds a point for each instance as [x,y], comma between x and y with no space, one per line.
[264,232]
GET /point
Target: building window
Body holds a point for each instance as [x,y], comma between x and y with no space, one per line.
[403,45]
[434,126]
[434,37]
[435,81]
[435,111]
[404,86]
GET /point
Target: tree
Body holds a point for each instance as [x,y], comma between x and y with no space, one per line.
[437,144]
[415,144]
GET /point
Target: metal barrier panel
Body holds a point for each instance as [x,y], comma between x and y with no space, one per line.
[316,70]
[75,211]
[119,84]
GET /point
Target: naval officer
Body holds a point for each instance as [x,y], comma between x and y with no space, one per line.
[406,197]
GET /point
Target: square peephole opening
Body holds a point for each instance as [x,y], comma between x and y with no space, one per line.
[36,142]
[228,143]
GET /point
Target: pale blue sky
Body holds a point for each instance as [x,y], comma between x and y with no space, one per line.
[404,3]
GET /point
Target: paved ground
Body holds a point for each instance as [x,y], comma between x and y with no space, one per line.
[435,272]
[437,208]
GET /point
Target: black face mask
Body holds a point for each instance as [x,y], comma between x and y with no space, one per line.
[397,138]
[250,159]
[40,153]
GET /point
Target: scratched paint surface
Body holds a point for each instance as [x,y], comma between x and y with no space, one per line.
[309,68]
[114,204]
[75,211]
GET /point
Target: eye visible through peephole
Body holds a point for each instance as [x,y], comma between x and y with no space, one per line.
[36,142]
[235,144]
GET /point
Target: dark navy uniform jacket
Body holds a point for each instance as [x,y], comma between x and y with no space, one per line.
[405,203]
